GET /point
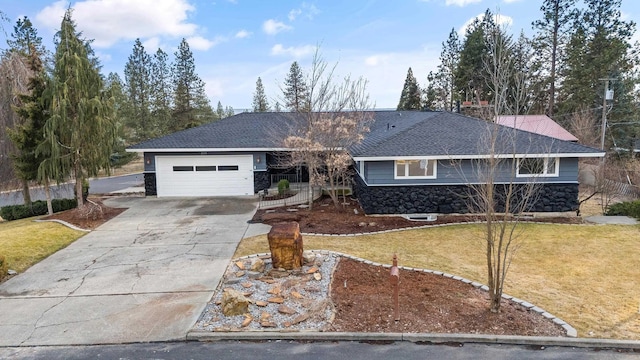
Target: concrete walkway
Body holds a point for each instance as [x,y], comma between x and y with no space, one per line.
[146,275]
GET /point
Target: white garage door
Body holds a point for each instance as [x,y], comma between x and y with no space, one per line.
[204,175]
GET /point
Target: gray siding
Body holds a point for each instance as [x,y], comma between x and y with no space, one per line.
[150,158]
[461,172]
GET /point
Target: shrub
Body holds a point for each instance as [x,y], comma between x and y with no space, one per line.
[15,212]
[283,186]
[627,208]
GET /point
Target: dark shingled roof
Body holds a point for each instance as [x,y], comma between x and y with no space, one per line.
[392,133]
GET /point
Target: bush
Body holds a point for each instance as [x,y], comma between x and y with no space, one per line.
[627,208]
[37,208]
[283,186]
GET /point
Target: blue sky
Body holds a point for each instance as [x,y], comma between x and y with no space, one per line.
[236,41]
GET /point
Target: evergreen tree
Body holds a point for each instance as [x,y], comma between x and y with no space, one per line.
[411,98]
[471,75]
[260,103]
[229,111]
[81,132]
[191,107]
[24,37]
[28,135]
[137,73]
[220,111]
[115,88]
[600,48]
[550,42]
[161,96]
[295,91]
[444,80]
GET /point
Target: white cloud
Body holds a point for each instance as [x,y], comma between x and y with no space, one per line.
[309,11]
[499,19]
[293,51]
[294,13]
[461,3]
[273,27]
[109,21]
[243,34]
[511,1]
[152,45]
[201,43]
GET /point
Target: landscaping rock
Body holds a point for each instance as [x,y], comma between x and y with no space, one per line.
[285,244]
[258,265]
[234,303]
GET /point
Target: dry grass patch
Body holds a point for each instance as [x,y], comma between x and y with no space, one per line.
[25,242]
[587,275]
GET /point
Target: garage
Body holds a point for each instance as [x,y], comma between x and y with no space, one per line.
[204,175]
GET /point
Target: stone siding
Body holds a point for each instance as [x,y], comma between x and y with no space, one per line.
[150,188]
[448,199]
[261,181]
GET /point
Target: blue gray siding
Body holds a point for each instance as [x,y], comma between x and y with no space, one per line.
[461,172]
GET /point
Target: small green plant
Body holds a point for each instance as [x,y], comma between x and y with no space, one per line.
[283,186]
[627,208]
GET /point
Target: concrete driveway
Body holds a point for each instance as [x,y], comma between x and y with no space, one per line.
[146,275]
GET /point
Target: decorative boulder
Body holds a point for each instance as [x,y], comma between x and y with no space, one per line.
[285,244]
[258,265]
[234,303]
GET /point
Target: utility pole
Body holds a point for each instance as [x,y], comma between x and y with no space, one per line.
[608,96]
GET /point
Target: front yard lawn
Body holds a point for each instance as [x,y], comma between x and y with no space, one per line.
[25,242]
[588,275]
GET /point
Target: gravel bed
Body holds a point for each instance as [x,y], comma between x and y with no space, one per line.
[300,291]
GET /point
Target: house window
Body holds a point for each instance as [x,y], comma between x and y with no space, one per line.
[183,168]
[228,168]
[205,168]
[425,169]
[538,167]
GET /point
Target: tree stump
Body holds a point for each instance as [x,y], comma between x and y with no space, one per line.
[285,244]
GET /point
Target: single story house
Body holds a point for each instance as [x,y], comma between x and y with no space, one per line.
[409,162]
[540,124]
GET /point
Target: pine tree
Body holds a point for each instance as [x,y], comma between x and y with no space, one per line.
[191,107]
[137,73]
[220,111]
[411,97]
[161,96]
[24,37]
[260,103]
[115,88]
[443,81]
[471,75]
[81,132]
[295,91]
[550,42]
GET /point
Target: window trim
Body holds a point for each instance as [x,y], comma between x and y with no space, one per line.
[545,167]
[406,175]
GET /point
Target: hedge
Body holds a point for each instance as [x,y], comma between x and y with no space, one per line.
[15,212]
[627,208]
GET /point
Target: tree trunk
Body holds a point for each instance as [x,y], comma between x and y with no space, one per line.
[79,197]
[26,195]
[47,194]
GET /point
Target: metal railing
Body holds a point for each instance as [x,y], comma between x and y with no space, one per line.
[291,178]
[298,193]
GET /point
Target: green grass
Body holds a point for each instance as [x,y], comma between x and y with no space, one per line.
[588,275]
[25,242]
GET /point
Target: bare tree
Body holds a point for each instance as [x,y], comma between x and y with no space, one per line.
[14,78]
[336,119]
[496,190]
[584,125]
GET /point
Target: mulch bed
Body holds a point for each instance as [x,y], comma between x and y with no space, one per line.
[429,303]
[349,218]
[89,218]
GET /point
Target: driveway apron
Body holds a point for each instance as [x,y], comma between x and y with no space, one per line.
[146,275]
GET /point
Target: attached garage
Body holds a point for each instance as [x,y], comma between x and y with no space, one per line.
[204,175]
